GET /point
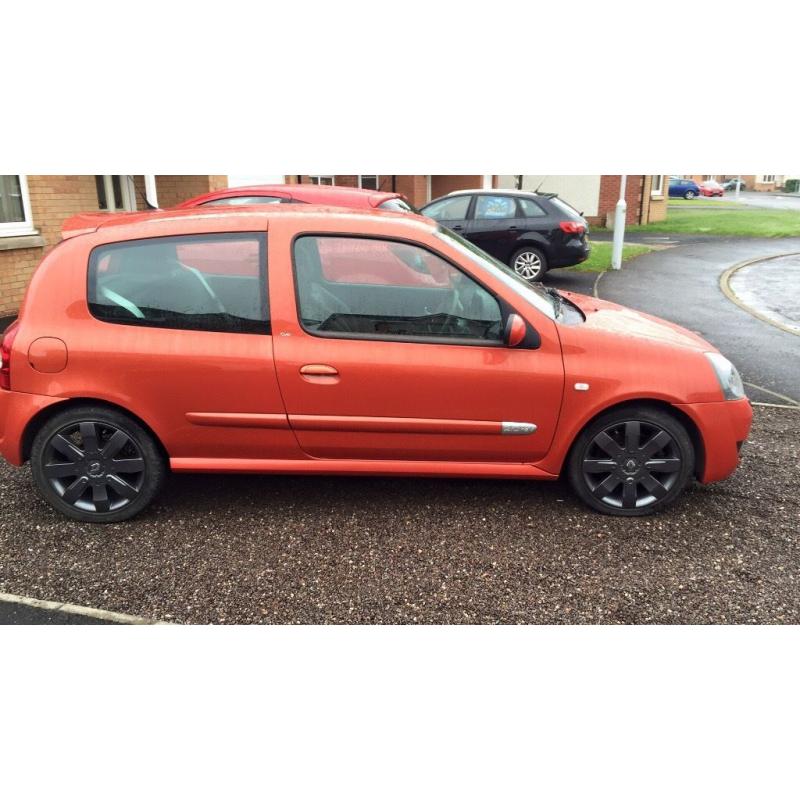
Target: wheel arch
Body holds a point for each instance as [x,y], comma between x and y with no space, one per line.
[42,417]
[661,405]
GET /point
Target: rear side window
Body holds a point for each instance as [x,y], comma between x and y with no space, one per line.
[210,282]
[490,206]
[530,208]
[245,201]
[565,207]
[381,289]
[451,208]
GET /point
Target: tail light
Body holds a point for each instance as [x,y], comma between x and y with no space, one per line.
[6,344]
[568,226]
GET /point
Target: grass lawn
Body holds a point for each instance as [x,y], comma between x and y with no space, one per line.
[600,259]
[702,202]
[738,221]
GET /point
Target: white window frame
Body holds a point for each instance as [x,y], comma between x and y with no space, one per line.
[377,181]
[767,179]
[24,228]
[656,185]
[126,189]
[315,179]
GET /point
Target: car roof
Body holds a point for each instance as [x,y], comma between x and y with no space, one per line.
[140,224]
[307,192]
[517,192]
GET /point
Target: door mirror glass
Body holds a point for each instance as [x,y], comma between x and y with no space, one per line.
[515,330]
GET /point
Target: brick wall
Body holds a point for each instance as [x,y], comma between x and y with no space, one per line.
[609,194]
[54,198]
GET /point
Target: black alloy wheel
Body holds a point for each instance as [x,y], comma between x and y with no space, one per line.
[632,464]
[96,467]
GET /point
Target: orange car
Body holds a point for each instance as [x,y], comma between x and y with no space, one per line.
[303,339]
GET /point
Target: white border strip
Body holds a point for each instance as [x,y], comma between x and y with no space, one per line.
[84,611]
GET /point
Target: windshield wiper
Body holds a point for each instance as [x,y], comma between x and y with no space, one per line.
[558,300]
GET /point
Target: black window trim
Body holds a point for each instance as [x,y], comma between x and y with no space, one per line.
[506,309]
[263,277]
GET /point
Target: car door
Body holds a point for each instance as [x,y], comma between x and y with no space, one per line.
[402,370]
[451,211]
[495,225]
[181,327]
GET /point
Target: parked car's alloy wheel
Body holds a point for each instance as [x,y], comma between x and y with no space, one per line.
[632,461]
[529,263]
[689,195]
[95,464]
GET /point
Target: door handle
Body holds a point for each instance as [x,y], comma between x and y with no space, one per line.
[458,227]
[319,370]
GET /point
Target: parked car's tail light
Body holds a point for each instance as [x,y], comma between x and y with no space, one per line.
[568,226]
[5,355]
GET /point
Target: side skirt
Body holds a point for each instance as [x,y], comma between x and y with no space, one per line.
[431,469]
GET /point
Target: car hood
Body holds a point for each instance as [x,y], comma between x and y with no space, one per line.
[627,323]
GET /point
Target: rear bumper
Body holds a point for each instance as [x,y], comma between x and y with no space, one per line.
[17,409]
[570,253]
[723,427]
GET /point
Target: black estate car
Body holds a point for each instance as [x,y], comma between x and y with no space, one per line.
[528,231]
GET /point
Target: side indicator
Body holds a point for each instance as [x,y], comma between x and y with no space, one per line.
[517,428]
[581,387]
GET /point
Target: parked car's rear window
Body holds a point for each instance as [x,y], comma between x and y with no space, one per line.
[530,208]
[397,204]
[209,282]
[565,207]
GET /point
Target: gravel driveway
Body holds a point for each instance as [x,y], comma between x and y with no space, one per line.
[319,550]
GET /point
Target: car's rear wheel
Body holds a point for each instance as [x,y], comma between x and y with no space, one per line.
[95,464]
[689,195]
[631,461]
[529,263]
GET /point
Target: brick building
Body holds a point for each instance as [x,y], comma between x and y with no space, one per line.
[33,207]
[594,195]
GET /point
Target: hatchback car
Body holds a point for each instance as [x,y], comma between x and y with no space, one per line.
[345,196]
[730,185]
[683,187]
[528,231]
[307,340]
[711,189]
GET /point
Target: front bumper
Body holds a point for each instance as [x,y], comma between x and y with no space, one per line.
[17,409]
[723,427]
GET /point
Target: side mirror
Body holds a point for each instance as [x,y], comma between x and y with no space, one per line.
[515,330]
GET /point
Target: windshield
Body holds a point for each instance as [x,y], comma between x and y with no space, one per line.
[397,204]
[534,293]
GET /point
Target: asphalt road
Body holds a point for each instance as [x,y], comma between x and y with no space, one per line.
[337,550]
[681,284]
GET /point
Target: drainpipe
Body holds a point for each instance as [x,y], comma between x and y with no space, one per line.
[619,225]
[150,190]
[394,183]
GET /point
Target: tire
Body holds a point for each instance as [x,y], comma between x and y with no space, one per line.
[689,195]
[529,263]
[617,465]
[95,464]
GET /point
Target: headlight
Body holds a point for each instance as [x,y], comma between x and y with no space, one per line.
[728,376]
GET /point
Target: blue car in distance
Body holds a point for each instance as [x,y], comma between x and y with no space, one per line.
[683,187]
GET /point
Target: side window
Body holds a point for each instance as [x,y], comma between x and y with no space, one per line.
[210,282]
[449,209]
[530,208]
[490,206]
[391,290]
[245,201]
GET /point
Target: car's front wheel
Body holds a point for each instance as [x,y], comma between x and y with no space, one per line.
[631,461]
[689,195]
[95,464]
[529,263]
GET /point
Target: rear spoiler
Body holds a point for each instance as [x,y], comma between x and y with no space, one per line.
[91,221]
